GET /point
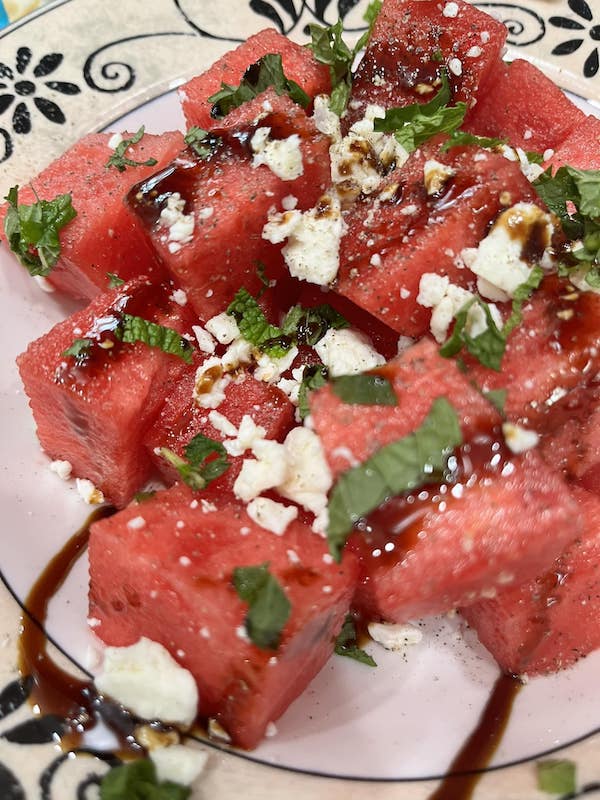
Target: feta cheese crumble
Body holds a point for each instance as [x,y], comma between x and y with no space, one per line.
[519,439]
[347,352]
[180,225]
[88,492]
[282,156]
[146,679]
[270,515]
[394,636]
[179,763]
[61,468]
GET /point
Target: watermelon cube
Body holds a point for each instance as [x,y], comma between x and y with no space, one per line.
[181,419]
[412,39]
[550,622]
[555,349]
[392,242]
[581,148]
[442,547]
[104,236]
[93,410]
[298,65]
[163,569]
[228,197]
[524,106]
[352,433]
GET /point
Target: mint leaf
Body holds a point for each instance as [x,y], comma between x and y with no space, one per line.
[313,378]
[556,776]
[137,780]
[309,325]
[113,280]
[414,124]
[497,397]
[255,327]
[534,158]
[522,293]
[587,182]
[464,138]
[136,329]
[364,389]
[120,161]
[203,143]
[79,349]
[269,608]
[487,347]
[266,72]
[404,465]
[196,470]
[32,230]
[346,644]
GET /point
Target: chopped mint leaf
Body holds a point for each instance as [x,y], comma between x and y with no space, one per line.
[414,124]
[300,325]
[329,48]
[120,161]
[556,776]
[346,645]
[309,325]
[136,329]
[79,349]
[266,72]
[587,182]
[261,271]
[255,327]
[32,230]
[203,143]
[404,465]
[534,158]
[522,293]
[313,378]
[437,56]
[195,469]
[113,280]
[497,397]
[137,780]
[365,390]
[464,138]
[488,347]
[269,608]
[141,497]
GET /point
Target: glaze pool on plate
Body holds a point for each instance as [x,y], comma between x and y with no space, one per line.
[404,720]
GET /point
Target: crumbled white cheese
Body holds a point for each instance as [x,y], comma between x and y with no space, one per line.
[88,492]
[44,284]
[61,468]
[249,433]
[270,369]
[266,471]
[455,66]
[222,424]
[239,352]
[179,763]
[223,327]
[347,352]
[308,477]
[498,258]
[282,156]
[115,140]
[450,10]
[206,212]
[217,731]
[394,636]
[519,439]
[313,240]
[178,296]
[136,523]
[436,175]
[180,225]
[270,515]
[146,679]
[531,170]
[474,52]
[289,202]
[206,343]
[210,383]
[324,118]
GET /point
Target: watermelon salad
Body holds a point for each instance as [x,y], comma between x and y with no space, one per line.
[351,320]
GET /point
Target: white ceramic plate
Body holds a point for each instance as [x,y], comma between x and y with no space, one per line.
[403,721]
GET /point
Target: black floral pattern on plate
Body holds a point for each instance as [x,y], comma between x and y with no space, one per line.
[583,31]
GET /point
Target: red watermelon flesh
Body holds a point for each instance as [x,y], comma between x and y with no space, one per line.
[298,65]
[554,350]
[169,578]
[104,236]
[524,106]
[352,433]
[570,436]
[504,521]
[411,40]
[181,419]
[95,413]
[549,623]
[391,243]
[581,148]
[230,200]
